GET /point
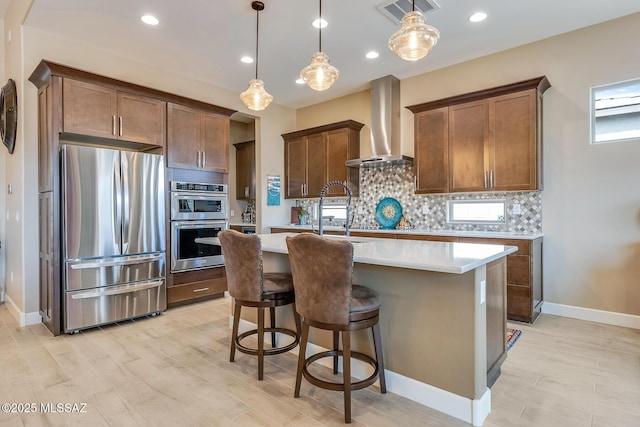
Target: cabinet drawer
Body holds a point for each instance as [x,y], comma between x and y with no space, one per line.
[427,237]
[519,303]
[518,270]
[523,245]
[205,288]
[374,235]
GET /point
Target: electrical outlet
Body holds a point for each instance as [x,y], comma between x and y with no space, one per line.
[11,277]
[425,209]
[233,212]
[483,291]
[360,210]
[516,209]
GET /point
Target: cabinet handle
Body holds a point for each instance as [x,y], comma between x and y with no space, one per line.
[204,159]
[199,161]
[491,178]
[246,192]
[120,125]
[415,183]
[195,291]
[485,178]
[113,122]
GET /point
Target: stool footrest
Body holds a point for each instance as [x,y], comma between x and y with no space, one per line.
[267,351]
[340,386]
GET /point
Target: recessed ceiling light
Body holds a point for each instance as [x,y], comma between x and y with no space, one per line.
[247,59]
[478,17]
[372,54]
[299,81]
[319,23]
[149,20]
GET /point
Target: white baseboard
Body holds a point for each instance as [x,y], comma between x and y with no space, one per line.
[468,410]
[592,315]
[23,319]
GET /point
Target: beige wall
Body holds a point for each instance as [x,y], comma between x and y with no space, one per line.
[354,107]
[22,56]
[591,201]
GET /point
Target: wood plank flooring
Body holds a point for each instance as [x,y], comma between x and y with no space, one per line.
[173,370]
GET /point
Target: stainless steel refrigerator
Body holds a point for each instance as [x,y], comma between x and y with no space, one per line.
[113,235]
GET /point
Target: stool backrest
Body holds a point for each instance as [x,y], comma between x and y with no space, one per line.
[321,270]
[243,264]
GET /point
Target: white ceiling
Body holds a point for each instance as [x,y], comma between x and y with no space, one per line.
[204,39]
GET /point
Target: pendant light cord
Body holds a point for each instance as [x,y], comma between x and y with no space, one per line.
[320,29]
[257,38]
[413,6]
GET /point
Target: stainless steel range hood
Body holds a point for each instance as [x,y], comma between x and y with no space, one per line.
[385,126]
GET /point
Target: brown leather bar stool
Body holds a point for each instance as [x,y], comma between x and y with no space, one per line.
[326,299]
[251,287]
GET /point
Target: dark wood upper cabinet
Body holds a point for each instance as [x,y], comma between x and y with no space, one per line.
[431,162]
[245,170]
[493,140]
[93,110]
[317,155]
[197,139]
[468,151]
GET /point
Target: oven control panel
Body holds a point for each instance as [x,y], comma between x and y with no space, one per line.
[200,187]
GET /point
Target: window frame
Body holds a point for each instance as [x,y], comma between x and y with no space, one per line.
[451,203]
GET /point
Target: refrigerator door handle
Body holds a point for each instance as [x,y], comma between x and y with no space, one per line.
[125,200]
[117,206]
[117,263]
[115,290]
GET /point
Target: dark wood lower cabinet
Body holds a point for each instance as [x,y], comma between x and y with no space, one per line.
[198,285]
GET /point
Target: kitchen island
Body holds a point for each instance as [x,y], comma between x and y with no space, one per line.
[442,318]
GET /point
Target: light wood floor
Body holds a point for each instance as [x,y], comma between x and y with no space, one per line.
[173,370]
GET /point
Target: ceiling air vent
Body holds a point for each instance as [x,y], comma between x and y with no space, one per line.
[396,9]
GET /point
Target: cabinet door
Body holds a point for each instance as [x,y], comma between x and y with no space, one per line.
[337,155]
[245,170]
[295,154]
[89,109]
[316,164]
[215,143]
[512,121]
[468,156]
[431,147]
[183,131]
[141,119]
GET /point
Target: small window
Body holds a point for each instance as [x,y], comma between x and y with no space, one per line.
[476,211]
[615,112]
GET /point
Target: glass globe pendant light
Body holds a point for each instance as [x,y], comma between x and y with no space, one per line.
[415,38]
[256,97]
[320,75]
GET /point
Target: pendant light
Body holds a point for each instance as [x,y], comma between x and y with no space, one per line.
[256,97]
[415,38]
[320,75]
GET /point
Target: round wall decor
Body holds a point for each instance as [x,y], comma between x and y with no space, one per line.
[9,114]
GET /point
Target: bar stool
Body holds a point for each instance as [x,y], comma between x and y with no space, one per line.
[326,299]
[251,287]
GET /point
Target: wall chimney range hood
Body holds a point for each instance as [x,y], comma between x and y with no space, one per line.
[385,126]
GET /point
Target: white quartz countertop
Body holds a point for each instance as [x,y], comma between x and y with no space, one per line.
[426,232]
[445,257]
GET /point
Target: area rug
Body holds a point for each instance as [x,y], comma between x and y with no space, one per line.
[512,337]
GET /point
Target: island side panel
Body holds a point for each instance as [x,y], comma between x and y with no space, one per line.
[433,327]
[496,318]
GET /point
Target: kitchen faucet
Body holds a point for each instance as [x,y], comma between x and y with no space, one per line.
[323,193]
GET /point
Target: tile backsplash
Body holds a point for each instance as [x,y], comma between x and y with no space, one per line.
[397,182]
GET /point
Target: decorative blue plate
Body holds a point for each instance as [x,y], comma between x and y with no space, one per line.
[388,213]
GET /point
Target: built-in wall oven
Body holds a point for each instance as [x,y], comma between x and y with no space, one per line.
[197,210]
